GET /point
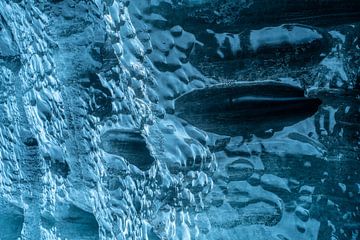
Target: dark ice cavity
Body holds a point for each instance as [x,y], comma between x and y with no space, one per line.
[246,108]
[234,14]
[129,144]
[72,222]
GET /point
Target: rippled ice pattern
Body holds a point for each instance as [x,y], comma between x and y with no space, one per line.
[179,119]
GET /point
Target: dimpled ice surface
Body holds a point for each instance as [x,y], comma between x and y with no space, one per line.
[179,119]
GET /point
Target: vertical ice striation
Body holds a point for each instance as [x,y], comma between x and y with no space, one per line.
[179,119]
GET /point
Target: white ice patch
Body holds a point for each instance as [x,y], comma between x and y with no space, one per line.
[281,35]
[232,39]
[335,65]
[338,35]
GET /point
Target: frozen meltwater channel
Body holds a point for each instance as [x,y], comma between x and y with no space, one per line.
[179,119]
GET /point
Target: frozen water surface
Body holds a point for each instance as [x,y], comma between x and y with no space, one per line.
[179,119]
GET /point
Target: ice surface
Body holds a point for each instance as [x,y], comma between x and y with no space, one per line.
[156,119]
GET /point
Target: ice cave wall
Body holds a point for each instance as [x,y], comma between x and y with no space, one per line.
[86,84]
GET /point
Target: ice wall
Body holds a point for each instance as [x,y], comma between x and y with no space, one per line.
[92,145]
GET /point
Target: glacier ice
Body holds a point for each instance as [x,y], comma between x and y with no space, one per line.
[119,119]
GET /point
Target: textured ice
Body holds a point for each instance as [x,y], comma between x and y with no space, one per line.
[179,119]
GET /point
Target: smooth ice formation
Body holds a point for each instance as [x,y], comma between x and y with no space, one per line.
[179,119]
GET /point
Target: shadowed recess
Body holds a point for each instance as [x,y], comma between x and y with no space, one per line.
[72,222]
[246,108]
[130,144]
[234,15]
